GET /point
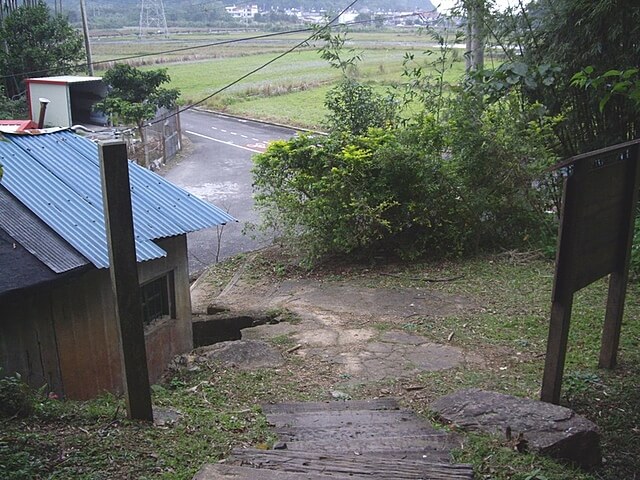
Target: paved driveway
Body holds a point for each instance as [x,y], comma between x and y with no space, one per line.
[218,169]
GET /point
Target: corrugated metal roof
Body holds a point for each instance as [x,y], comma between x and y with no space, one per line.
[57,176]
[36,237]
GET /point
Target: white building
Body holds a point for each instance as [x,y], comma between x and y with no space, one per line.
[246,11]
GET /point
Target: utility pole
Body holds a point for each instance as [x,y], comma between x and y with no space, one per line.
[476,11]
[152,16]
[85,31]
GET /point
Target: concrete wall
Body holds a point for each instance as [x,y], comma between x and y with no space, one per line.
[66,335]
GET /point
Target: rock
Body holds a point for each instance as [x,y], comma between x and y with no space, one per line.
[547,429]
[214,308]
[165,416]
[244,354]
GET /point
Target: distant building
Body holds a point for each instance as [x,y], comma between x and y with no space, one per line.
[246,11]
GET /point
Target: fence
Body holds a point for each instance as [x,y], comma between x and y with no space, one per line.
[162,140]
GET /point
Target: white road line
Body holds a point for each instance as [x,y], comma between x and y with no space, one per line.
[233,133]
[214,128]
[222,141]
[244,136]
[255,139]
[223,130]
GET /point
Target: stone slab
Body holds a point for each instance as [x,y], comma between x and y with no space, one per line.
[243,354]
[547,429]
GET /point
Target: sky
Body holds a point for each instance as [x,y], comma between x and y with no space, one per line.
[445,5]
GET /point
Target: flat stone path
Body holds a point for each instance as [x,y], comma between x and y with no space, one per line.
[346,440]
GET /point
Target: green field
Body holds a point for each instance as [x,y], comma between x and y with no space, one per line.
[289,90]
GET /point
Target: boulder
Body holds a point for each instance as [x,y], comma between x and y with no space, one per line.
[533,425]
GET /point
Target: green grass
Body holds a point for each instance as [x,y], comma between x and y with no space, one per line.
[292,89]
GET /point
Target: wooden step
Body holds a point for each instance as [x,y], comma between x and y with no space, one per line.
[432,447]
[350,465]
[331,406]
[235,472]
[340,419]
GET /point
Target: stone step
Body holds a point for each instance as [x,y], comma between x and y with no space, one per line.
[352,466]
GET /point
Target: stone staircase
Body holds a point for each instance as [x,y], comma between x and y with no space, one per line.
[345,440]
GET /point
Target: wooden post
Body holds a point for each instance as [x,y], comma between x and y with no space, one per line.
[619,277]
[114,169]
[556,349]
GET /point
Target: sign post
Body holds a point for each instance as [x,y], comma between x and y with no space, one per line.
[596,231]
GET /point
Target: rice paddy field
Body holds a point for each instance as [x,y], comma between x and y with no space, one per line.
[289,90]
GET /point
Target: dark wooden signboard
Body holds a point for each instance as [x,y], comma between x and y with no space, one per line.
[596,231]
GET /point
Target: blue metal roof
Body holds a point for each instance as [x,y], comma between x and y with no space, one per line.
[57,176]
[36,237]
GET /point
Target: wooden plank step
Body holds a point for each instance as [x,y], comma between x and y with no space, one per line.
[436,448]
[221,471]
[334,464]
[331,406]
[339,418]
[346,433]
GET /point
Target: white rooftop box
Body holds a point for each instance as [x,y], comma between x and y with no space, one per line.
[71,99]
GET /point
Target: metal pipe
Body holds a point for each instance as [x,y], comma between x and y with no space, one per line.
[43,110]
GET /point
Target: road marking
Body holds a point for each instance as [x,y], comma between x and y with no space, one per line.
[215,128]
[244,136]
[233,133]
[256,139]
[222,141]
[223,130]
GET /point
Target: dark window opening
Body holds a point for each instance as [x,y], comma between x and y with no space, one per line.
[158,299]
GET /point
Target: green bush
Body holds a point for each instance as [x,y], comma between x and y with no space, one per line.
[16,398]
[501,151]
[469,182]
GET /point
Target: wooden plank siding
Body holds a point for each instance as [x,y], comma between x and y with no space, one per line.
[64,335]
[28,340]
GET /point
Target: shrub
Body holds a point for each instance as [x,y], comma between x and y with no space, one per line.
[429,187]
[16,398]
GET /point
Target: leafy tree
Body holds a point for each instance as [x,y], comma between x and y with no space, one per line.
[35,43]
[11,109]
[573,34]
[136,95]
[355,107]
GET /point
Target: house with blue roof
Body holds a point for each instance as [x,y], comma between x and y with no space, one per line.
[57,310]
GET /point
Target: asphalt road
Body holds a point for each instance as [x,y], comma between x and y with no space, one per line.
[218,169]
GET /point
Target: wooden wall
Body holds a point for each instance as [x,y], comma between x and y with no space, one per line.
[66,336]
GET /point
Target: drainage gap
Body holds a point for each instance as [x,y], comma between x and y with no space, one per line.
[225,325]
